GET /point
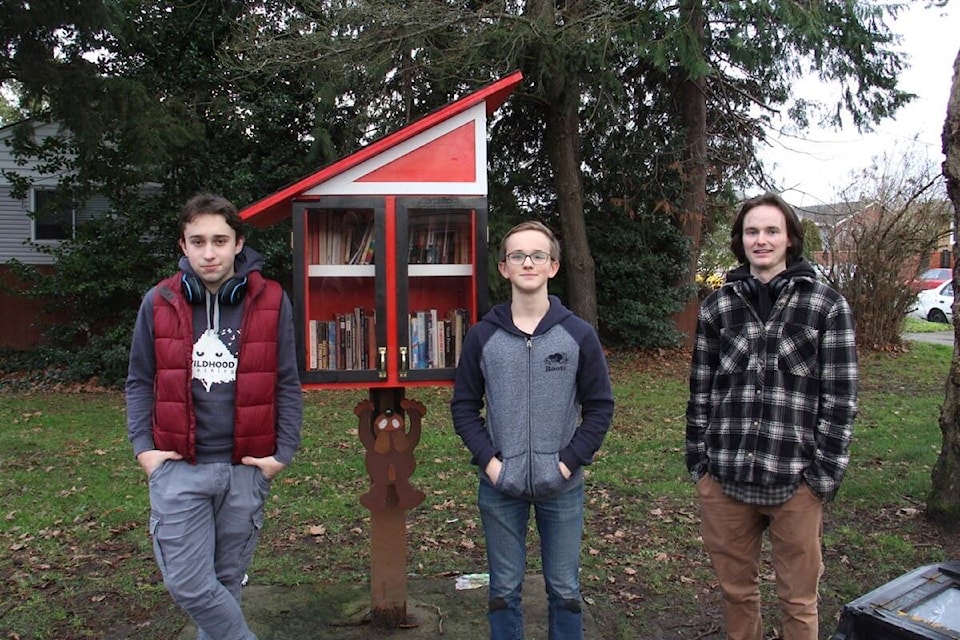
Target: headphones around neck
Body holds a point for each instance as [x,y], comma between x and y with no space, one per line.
[752,286]
[229,294]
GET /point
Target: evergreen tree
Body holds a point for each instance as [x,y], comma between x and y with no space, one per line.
[656,106]
[681,81]
[153,120]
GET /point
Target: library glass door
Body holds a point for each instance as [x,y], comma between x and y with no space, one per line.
[338,299]
[442,282]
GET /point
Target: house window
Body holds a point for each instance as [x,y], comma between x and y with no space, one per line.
[50,221]
[945,259]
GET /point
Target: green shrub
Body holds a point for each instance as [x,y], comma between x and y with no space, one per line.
[640,261]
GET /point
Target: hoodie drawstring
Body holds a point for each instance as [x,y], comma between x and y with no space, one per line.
[213,321]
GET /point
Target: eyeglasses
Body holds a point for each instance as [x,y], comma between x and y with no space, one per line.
[519,257]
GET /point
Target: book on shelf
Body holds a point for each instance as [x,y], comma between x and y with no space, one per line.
[423,343]
[364,249]
[323,358]
[312,349]
[435,352]
[370,331]
[416,339]
[359,347]
[460,322]
[346,329]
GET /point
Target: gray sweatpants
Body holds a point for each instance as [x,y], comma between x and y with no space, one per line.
[205,521]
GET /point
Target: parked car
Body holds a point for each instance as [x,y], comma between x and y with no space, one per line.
[935,305]
[930,279]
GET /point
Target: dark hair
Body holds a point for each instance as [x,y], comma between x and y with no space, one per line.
[210,203]
[794,229]
[532,225]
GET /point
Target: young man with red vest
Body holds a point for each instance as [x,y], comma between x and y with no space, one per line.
[214,409]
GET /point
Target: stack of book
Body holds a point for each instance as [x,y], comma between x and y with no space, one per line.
[436,342]
[348,341]
[438,240]
[340,237]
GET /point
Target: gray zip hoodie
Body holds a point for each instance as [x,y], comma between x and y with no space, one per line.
[548,399]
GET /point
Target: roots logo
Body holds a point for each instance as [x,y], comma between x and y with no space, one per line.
[555,362]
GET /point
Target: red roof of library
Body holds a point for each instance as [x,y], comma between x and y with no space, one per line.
[276,206]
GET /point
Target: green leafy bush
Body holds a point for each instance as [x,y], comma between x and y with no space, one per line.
[639,260]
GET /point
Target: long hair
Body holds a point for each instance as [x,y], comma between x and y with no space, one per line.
[794,229]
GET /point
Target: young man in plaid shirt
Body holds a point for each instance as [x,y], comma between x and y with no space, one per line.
[773,397]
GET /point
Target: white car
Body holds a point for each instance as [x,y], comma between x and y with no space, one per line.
[935,305]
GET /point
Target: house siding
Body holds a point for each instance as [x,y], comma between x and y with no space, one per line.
[21,317]
[15,231]
[16,225]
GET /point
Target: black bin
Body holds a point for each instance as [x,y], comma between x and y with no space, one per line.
[922,604]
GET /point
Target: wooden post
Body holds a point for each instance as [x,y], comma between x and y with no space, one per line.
[388,565]
[390,461]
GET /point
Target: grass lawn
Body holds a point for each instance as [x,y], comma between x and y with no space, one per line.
[77,562]
[916,325]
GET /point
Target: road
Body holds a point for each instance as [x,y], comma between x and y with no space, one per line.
[936,337]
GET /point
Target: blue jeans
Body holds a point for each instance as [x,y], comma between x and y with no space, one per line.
[205,520]
[560,524]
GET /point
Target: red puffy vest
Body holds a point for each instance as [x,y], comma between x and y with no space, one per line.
[174,423]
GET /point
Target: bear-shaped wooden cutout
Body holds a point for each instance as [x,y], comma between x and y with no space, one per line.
[389,458]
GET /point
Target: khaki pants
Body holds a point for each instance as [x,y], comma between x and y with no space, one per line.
[732,533]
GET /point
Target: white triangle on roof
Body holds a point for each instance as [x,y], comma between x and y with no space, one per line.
[361,179]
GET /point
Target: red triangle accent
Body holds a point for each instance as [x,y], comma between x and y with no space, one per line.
[449,158]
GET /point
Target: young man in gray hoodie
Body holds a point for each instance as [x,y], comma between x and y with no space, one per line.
[541,372]
[214,410]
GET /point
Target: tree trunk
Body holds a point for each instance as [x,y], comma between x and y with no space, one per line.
[694,173]
[562,141]
[943,505]
[562,138]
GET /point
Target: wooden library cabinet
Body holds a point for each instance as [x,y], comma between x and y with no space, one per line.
[385,287]
[389,271]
